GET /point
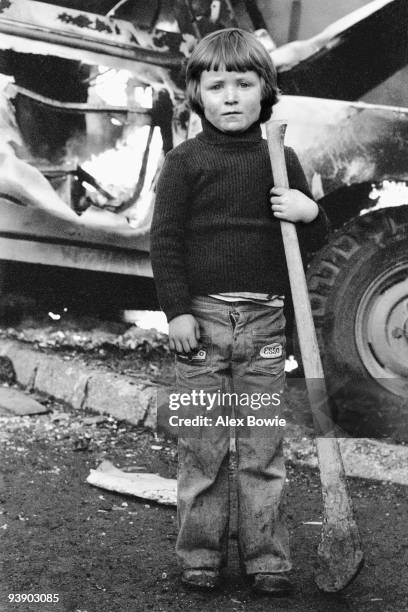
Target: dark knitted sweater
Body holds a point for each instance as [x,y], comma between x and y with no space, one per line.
[213,229]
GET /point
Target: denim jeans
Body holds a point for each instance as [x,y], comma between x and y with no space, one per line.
[242,351]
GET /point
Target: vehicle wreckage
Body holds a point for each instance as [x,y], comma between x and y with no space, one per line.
[90,102]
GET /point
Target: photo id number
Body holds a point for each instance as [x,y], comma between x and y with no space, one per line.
[33,597]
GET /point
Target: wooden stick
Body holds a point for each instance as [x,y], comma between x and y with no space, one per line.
[340,556]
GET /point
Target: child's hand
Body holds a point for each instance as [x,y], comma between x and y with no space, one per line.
[183,333]
[292,205]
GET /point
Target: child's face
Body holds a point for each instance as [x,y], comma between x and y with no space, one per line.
[231,100]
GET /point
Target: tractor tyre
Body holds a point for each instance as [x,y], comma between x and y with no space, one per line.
[358,286]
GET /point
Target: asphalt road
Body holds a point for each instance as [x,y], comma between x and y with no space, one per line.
[105,552]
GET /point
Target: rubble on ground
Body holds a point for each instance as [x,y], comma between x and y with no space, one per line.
[88,334]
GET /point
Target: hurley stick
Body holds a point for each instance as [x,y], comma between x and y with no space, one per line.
[340,556]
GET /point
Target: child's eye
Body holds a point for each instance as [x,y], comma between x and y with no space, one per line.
[244,84]
[216,86]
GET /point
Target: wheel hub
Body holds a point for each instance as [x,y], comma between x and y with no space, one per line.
[399,333]
[382,329]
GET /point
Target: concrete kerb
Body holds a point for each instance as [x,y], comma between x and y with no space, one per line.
[134,400]
[81,386]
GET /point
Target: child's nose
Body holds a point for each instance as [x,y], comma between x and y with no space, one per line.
[231,95]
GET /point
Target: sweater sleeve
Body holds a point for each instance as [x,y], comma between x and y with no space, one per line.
[313,235]
[167,250]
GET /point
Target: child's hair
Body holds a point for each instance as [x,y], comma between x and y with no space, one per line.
[235,50]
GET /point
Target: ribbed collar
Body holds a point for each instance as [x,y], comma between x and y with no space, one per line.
[213,135]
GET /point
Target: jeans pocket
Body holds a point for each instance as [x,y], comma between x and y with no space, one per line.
[197,363]
[268,353]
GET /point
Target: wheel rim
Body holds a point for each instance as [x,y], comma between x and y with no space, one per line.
[381,329]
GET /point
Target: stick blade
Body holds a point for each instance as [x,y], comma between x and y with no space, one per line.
[340,557]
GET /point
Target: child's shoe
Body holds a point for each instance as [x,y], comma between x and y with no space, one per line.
[201,578]
[276,585]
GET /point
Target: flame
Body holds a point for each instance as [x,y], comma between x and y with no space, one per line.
[9,131]
[117,169]
[387,194]
[112,86]
[147,319]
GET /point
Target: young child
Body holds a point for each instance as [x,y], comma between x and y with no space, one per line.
[221,278]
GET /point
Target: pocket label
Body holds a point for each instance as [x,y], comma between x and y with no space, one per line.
[193,358]
[271,351]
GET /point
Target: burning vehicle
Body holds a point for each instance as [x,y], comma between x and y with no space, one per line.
[91,100]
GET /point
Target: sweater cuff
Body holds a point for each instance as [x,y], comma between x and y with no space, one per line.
[176,310]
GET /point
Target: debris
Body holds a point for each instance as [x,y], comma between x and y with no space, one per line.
[147,486]
[14,401]
[106,506]
[82,443]
[60,416]
[7,374]
[94,420]
[133,468]
[313,523]
[156,447]
[99,337]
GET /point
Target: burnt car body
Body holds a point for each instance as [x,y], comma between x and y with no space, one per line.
[350,151]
